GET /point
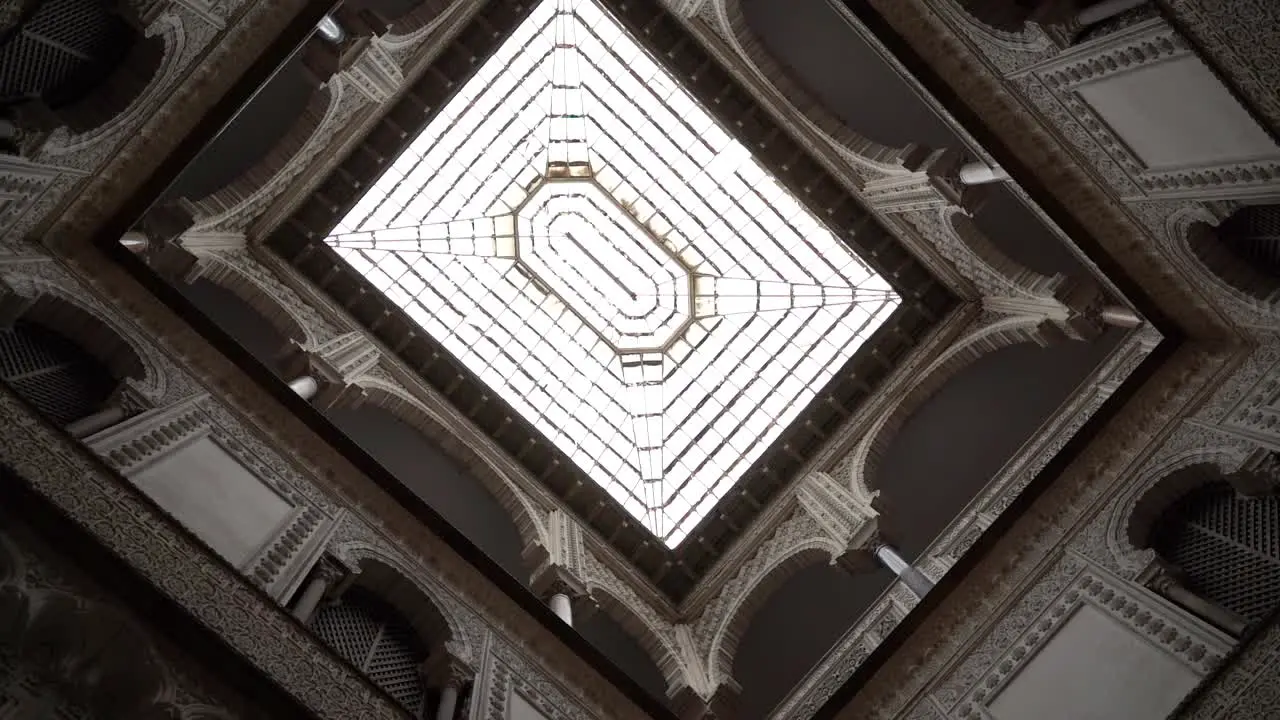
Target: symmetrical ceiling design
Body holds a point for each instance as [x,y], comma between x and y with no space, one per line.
[590,242]
[747,205]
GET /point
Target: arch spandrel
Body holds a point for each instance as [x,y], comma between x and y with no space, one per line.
[262,299]
[797,543]
[184,36]
[655,637]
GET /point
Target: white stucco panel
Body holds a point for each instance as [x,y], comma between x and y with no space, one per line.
[1095,668]
[216,497]
[1175,114]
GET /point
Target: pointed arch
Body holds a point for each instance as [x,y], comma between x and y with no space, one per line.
[995,335]
[241,202]
[657,642]
[424,606]
[1209,245]
[150,74]
[86,323]
[1190,459]
[860,151]
[752,593]
[280,314]
[312,116]
[1019,278]
[396,400]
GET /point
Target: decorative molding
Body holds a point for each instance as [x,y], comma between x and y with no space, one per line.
[960,535]
[1248,687]
[1028,626]
[1146,43]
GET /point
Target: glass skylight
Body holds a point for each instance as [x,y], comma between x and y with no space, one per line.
[588,241]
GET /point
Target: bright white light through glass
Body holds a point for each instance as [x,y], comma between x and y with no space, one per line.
[584,237]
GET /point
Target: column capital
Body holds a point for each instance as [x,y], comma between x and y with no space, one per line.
[564,571]
[1258,475]
[443,669]
[337,365]
[847,517]
[328,572]
[722,705]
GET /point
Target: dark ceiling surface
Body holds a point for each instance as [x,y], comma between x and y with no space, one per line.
[300,242]
[830,58]
[257,129]
[945,452]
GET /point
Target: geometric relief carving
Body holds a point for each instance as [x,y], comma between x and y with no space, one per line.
[512,683]
[1033,622]
[21,185]
[1076,95]
[1249,687]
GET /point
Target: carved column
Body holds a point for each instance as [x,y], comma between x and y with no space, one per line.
[849,520]
[322,579]
[562,578]
[1258,475]
[980,173]
[135,241]
[335,366]
[1166,582]
[97,422]
[305,386]
[450,675]
[910,575]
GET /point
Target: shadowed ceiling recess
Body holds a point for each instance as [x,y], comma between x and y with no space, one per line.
[584,237]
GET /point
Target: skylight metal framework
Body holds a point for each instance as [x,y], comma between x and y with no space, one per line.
[599,251]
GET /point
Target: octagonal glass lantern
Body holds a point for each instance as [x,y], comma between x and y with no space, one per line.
[600,252]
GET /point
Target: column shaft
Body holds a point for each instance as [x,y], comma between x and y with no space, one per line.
[101,420]
[305,385]
[980,173]
[135,241]
[1120,316]
[562,607]
[908,574]
[1105,10]
[1210,611]
[448,703]
[311,597]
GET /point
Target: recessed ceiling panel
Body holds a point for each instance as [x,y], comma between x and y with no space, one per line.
[582,235]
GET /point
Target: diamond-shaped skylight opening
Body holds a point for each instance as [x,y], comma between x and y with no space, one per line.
[587,240]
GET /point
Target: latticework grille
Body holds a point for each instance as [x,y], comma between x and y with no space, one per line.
[1253,234]
[379,642]
[57,377]
[60,51]
[1228,546]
